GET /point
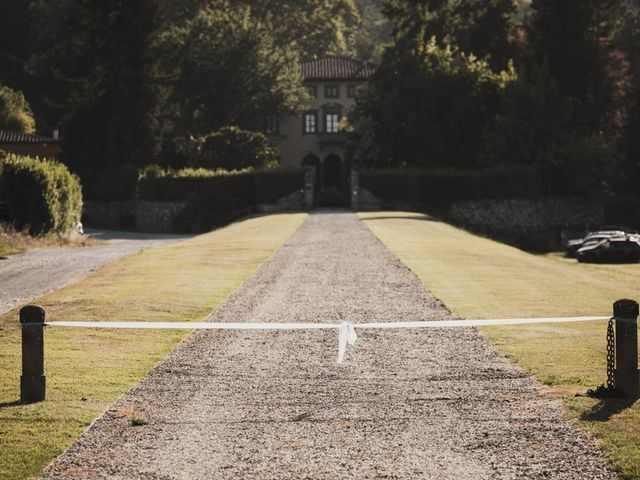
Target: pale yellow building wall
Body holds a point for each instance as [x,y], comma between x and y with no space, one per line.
[294,145]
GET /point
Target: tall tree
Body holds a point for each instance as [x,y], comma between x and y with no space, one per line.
[480,27]
[313,27]
[15,43]
[425,106]
[574,38]
[95,55]
[373,32]
[228,72]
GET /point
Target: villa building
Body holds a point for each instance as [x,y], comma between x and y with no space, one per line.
[314,138]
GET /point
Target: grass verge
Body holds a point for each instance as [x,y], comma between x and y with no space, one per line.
[479,278]
[15,241]
[88,369]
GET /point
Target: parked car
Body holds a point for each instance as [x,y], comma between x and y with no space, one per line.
[615,249]
[573,245]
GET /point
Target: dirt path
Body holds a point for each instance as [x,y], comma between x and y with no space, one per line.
[433,404]
[26,276]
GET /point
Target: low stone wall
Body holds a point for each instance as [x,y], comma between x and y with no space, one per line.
[294,202]
[157,217]
[523,215]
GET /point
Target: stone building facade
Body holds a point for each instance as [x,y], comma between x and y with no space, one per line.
[315,137]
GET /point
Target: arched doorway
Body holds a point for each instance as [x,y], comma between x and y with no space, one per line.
[332,172]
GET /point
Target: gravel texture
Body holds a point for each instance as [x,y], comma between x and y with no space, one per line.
[28,275]
[433,403]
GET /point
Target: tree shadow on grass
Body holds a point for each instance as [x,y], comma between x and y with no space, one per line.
[606,408]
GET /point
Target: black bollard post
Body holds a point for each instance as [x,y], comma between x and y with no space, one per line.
[626,376]
[33,383]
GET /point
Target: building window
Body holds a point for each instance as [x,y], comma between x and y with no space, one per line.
[351,91]
[272,126]
[331,91]
[312,91]
[310,122]
[331,122]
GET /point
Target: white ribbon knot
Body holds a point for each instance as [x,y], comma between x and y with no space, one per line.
[347,336]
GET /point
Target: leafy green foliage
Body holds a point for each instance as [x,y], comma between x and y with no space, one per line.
[42,195]
[440,188]
[229,72]
[426,106]
[207,210]
[232,148]
[480,27]
[629,42]
[374,31]
[534,123]
[574,38]
[15,113]
[253,187]
[312,27]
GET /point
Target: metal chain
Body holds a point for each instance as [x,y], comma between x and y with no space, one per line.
[610,389]
[611,356]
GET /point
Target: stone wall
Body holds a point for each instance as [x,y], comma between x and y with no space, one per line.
[157,217]
[294,202]
[522,215]
[111,215]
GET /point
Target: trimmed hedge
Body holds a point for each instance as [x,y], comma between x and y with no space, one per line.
[251,187]
[232,148]
[442,188]
[42,195]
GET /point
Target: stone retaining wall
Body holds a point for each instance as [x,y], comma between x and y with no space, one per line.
[523,215]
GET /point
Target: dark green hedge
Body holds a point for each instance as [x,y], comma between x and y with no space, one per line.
[441,188]
[42,195]
[250,187]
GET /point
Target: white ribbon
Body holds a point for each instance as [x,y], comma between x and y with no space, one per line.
[348,334]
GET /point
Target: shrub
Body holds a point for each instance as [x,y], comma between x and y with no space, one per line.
[180,188]
[42,195]
[231,148]
[253,187]
[207,210]
[440,188]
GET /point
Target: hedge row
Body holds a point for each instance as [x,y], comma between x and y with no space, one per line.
[252,188]
[442,188]
[41,195]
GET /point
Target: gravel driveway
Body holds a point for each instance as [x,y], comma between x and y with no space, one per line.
[28,275]
[433,404]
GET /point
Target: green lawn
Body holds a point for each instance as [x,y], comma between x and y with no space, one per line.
[88,369]
[479,278]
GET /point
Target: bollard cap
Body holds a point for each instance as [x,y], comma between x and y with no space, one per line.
[32,314]
[625,309]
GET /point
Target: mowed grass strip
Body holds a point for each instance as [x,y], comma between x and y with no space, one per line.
[479,278]
[88,369]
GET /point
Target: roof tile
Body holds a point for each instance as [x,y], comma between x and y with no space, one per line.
[7,136]
[336,68]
